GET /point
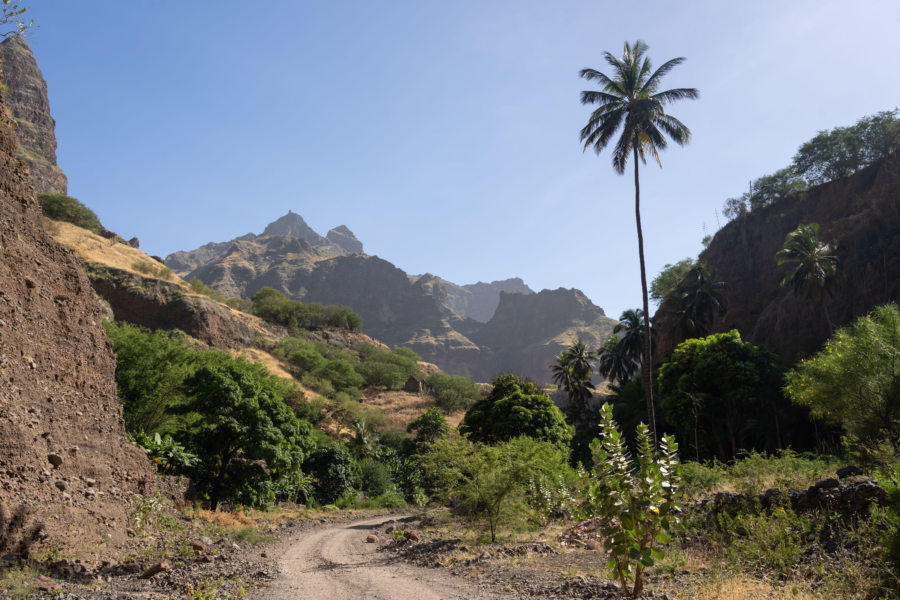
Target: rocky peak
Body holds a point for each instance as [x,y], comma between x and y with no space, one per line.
[343,238]
[293,225]
[26,98]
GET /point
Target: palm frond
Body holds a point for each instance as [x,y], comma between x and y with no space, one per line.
[602,98]
[653,81]
[677,94]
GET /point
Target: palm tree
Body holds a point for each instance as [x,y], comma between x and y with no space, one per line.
[572,372]
[630,100]
[614,364]
[816,265]
[698,300]
[631,326]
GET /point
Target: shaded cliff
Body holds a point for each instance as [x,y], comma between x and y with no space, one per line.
[29,106]
[861,213]
[62,437]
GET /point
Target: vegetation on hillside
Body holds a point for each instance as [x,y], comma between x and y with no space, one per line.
[831,154]
[60,207]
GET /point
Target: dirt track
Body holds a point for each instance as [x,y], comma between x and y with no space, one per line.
[335,563]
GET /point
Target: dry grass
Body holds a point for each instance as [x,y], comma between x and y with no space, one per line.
[275,366]
[742,587]
[400,408]
[92,248]
[225,519]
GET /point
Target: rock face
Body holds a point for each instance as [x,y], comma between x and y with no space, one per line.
[342,237]
[478,330]
[859,212]
[27,101]
[478,301]
[60,420]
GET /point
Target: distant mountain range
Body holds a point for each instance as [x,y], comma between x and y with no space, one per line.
[478,330]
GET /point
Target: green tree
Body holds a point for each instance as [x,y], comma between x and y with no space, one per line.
[855,379]
[523,410]
[631,99]
[668,279]
[769,189]
[815,265]
[572,371]
[244,422]
[841,151]
[453,392]
[724,395]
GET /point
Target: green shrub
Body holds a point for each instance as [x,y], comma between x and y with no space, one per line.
[453,392]
[756,472]
[854,380]
[148,268]
[334,473]
[240,304]
[768,542]
[65,208]
[375,477]
[699,478]
[387,368]
[198,287]
[272,305]
[341,374]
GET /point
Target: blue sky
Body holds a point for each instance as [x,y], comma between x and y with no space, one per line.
[444,134]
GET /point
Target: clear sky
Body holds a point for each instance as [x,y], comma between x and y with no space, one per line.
[444,134]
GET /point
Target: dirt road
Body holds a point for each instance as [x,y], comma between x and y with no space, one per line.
[335,563]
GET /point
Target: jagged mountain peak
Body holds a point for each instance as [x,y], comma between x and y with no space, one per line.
[292,224]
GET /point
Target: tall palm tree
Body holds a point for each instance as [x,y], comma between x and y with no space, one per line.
[698,300]
[816,269]
[630,99]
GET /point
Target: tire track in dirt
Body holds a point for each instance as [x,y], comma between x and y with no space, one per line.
[335,563]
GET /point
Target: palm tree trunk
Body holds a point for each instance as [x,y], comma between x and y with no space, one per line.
[646,367]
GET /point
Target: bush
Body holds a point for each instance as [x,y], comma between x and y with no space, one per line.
[65,208]
[198,287]
[273,306]
[387,368]
[700,478]
[341,374]
[375,478]
[148,268]
[453,392]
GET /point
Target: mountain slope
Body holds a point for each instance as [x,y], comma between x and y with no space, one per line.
[468,330]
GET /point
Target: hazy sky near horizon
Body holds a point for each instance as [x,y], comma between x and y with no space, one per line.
[444,134]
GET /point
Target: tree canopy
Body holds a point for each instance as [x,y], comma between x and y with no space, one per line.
[855,379]
[512,409]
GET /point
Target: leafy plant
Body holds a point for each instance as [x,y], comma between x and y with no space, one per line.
[635,501]
[169,455]
[148,268]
